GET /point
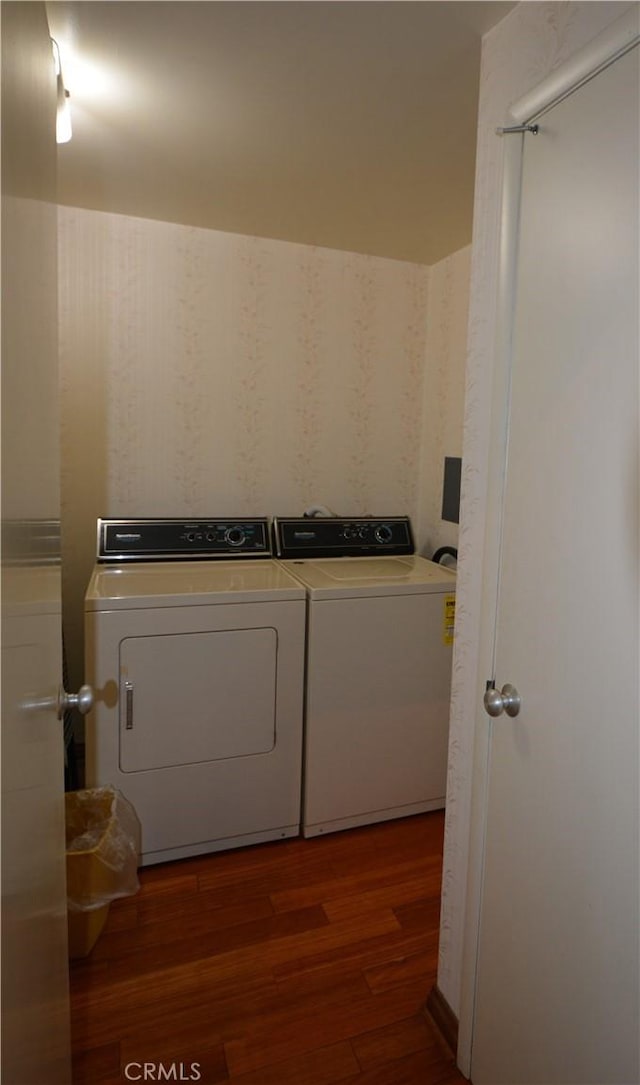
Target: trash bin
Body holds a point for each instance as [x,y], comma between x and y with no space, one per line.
[103,847]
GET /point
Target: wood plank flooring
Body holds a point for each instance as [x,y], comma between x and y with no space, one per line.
[302,962]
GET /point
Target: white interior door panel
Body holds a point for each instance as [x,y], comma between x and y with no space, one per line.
[557,975]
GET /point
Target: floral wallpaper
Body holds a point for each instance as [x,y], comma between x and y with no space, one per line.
[443,408]
[528,44]
[206,373]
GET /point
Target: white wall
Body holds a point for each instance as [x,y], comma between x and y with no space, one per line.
[206,373]
[533,40]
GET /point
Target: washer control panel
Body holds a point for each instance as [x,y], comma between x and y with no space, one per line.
[334,537]
[181,540]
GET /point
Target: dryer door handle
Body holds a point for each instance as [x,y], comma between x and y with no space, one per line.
[128,706]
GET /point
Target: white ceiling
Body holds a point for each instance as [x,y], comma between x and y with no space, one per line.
[344,124]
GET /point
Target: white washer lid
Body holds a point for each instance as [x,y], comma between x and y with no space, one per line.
[189,583]
[349,578]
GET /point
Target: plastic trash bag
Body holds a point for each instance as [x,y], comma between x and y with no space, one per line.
[103,848]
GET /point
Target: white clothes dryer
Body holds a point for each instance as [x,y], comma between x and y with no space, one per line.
[197,667]
[378,670]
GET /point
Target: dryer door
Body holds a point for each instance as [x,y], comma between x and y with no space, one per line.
[185,698]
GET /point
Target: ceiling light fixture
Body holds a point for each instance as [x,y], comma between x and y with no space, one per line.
[63,114]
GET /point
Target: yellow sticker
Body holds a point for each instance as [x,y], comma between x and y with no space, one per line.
[448,619]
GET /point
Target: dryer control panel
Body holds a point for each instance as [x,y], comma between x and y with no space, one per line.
[182,540]
[316,537]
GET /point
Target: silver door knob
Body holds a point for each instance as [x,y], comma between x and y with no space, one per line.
[505,700]
[82,700]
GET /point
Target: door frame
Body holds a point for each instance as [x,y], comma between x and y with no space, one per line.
[619,38]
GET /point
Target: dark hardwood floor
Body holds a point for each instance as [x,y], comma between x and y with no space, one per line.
[302,962]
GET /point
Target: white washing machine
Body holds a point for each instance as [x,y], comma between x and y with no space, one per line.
[378,673]
[198,671]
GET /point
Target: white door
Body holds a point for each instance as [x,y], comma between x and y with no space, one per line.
[557,970]
[35,1010]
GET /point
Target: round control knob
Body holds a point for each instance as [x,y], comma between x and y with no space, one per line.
[349,533]
[383,533]
[235,536]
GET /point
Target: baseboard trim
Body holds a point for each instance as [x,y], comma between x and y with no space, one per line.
[443,1017]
